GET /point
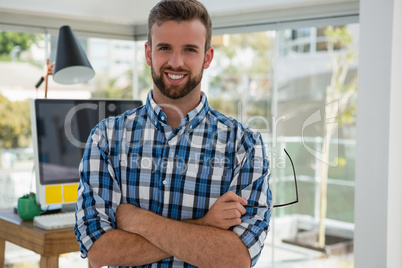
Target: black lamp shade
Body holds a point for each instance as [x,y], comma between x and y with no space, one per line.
[71,64]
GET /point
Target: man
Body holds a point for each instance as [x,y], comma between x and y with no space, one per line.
[167,184]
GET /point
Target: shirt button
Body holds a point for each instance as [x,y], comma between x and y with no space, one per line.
[162,118]
[164,182]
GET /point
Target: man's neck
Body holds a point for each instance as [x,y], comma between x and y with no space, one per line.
[176,109]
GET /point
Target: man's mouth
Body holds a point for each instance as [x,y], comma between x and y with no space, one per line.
[175,76]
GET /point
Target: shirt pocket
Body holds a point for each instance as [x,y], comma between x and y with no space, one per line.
[201,191]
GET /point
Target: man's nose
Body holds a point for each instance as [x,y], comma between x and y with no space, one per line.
[176,59]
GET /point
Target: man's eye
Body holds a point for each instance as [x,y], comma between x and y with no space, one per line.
[191,50]
[164,48]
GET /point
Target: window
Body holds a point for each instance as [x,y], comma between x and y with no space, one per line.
[22,59]
[276,81]
[288,99]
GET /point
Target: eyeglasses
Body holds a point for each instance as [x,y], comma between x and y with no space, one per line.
[297,192]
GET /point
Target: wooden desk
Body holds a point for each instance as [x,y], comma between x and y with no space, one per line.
[48,243]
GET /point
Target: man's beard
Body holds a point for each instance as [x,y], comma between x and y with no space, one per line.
[175,91]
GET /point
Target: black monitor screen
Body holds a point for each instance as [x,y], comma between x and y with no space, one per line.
[60,129]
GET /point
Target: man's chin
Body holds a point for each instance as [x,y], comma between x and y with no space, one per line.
[175,92]
[176,96]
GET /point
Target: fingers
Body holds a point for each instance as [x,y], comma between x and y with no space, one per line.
[231,214]
[232,204]
[222,218]
[235,206]
[232,197]
[227,211]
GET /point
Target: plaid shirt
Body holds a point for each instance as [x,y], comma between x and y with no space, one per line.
[137,158]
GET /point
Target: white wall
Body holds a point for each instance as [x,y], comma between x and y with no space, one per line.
[378,206]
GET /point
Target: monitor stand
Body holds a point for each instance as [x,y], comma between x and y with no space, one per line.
[58,208]
[52,209]
[68,207]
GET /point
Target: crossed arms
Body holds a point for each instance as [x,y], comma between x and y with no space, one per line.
[143,237]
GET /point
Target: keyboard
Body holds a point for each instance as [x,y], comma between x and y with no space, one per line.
[55,221]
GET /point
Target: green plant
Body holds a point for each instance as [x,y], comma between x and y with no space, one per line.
[31,194]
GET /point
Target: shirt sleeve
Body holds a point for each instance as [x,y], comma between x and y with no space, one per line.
[98,192]
[251,182]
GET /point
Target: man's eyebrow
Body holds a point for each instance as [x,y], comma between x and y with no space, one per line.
[192,46]
[186,46]
[163,45]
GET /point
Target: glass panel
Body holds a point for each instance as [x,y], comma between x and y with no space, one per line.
[240,77]
[317,99]
[22,58]
[322,46]
[144,72]
[292,105]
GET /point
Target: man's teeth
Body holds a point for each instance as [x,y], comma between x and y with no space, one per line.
[173,76]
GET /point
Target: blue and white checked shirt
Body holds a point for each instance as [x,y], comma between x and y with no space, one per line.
[137,158]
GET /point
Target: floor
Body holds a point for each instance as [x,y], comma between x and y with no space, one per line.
[18,257]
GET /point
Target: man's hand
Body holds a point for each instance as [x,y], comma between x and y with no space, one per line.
[226,212]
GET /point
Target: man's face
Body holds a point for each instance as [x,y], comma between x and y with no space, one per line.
[177,57]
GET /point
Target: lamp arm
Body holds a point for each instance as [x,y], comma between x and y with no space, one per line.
[48,71]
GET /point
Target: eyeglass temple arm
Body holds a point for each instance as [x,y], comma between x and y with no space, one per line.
[297,192]
[294,175]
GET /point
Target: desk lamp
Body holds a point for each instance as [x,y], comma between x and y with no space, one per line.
[71,65]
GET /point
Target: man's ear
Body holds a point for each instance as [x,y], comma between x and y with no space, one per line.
[208,57]
[148,52]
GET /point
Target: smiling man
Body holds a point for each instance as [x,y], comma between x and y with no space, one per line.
[177,55]
[177,66]
[166,184]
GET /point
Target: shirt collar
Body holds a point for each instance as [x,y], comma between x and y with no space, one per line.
[191,120]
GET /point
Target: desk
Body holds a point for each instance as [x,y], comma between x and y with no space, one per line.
[48,243]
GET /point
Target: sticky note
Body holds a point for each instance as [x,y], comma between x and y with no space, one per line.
[70,192]
[53,194]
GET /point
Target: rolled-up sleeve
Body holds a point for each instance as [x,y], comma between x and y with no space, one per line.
[252,177]
[98,192]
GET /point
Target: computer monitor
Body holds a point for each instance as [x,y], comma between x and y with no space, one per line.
[60,129]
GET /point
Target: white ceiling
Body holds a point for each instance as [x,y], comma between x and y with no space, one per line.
[127,18]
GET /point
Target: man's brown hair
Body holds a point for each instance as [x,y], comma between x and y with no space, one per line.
[180,10]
